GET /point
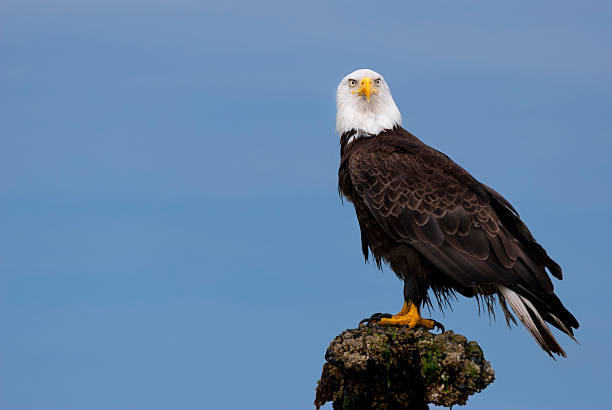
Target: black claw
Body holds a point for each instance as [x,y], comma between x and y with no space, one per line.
[375,318]
[439,326]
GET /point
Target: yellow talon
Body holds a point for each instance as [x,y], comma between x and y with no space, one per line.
[408,316]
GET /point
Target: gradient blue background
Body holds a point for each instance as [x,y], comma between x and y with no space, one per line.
[171,235]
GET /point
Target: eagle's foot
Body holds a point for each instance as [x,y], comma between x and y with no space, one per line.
[409,316]
[411,322]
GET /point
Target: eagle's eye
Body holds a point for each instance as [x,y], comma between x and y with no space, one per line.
[377,82]
[352,82]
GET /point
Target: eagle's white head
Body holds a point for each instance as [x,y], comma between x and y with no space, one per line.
[365,104]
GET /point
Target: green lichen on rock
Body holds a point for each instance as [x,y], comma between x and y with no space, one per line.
[454,368]
[430,366]
[389,368]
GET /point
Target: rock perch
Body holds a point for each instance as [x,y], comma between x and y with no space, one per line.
[390,368]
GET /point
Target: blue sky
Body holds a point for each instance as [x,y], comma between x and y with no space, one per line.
[172,236]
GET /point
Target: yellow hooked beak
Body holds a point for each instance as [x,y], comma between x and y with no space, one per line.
[366,88]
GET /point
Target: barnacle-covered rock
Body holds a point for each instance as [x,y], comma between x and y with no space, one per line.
[390,368]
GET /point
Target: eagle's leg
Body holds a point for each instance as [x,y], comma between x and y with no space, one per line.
[415,292]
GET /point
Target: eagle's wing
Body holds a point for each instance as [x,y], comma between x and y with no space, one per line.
[469,232]
[428,201]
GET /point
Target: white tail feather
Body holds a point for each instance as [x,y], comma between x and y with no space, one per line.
[522,307]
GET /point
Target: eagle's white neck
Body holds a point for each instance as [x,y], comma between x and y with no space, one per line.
[367,117]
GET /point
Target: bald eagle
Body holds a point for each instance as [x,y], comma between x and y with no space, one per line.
[436,226]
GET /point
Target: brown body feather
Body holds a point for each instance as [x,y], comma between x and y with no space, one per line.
[439,227]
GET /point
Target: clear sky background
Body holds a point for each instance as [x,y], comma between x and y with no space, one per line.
[171,235]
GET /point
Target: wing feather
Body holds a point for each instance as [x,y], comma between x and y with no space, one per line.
[420,197]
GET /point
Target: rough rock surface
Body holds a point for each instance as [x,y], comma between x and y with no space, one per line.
[389,368]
